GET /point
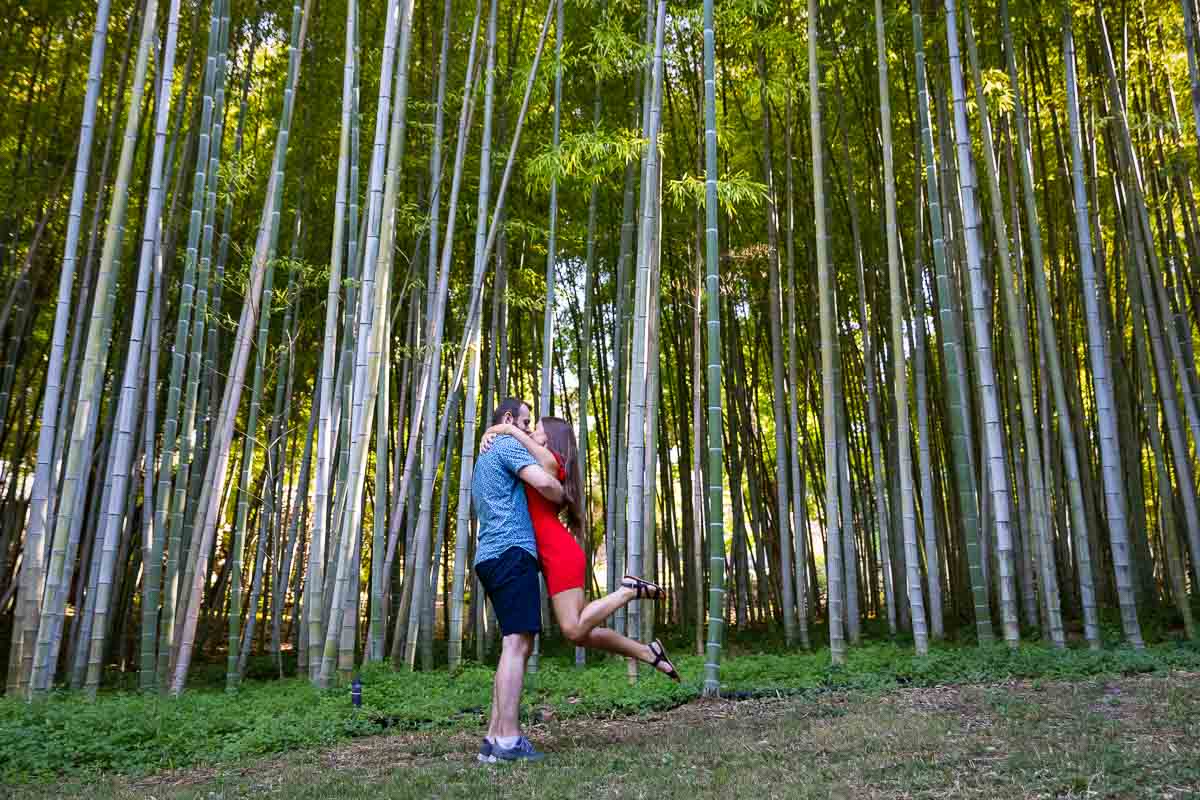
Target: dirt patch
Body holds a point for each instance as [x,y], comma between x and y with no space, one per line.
[569,734]
[369,756]
[376,756]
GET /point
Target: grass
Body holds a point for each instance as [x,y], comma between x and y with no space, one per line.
[127,733]
[1129,737]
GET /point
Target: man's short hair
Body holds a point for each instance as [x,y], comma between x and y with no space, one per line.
[509,405]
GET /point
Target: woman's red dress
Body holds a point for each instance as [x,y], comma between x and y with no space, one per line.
[563,561]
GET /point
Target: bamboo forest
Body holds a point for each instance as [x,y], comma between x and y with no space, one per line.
[877,323]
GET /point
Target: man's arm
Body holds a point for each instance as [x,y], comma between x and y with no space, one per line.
[545,484]
[542,454]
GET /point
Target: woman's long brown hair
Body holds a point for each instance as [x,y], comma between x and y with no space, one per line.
[560,439]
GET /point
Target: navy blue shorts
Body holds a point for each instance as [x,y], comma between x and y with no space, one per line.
[511,582]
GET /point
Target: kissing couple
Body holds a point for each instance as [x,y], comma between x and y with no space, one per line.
[525,482]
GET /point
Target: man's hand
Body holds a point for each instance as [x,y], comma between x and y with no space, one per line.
[545,484]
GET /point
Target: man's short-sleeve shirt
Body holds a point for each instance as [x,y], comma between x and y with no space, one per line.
[498,494]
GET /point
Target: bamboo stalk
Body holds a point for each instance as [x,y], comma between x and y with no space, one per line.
[716,482]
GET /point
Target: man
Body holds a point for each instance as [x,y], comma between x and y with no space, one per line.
[507,566]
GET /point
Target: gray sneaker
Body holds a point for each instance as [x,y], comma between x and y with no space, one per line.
[521,751]
[485,752]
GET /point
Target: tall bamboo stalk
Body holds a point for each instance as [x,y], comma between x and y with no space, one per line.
[800,528]
[382,188]
[882,513]
[1189,34]
[933,570]
[954,361]
[698,440]
[179,440]
[1013,294]
[1106,422]
[1154,297]
[474,344]
[585,357]
[640,340]
[775,323]
[30,598]
[201,393]
[996,460]
[249,449]
[475,303]
[131,386]
[377,627]
[298,508]
[222,435]
[434,361]
[716,475]
[59,569]
[544,404]
[614,521]
[908,514]
[1049,345]
[316,552]
[825,291]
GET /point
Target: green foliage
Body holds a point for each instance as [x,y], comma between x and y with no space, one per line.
[613,51]
[592,155]
[135,733]
[237,178]
[998,90]
[734,192]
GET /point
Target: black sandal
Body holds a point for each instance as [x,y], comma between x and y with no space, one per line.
[660,656]
[645,589]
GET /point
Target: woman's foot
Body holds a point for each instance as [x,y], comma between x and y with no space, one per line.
[660,661]
[644,589]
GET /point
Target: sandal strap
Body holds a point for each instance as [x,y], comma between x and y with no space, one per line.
[660,656]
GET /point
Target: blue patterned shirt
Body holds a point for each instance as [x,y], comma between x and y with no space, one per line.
[498,494]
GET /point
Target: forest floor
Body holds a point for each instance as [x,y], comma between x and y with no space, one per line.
[1125,737]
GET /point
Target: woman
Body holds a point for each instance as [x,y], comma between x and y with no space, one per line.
[562,558]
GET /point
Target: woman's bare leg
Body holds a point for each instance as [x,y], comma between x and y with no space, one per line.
[580,624]
[610,641]
[571,612]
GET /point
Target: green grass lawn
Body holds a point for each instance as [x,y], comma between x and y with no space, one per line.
[1126,737]
[131,734]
